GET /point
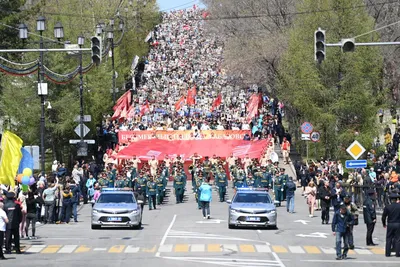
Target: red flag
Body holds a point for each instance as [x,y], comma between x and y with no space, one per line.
[216,102]
[144,109]
[180,103]
[253,105]
[205,14]
[123,101]
[191,95]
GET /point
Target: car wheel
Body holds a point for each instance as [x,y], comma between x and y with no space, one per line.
[274,227]
[95,227]
[138,227]
[231,226]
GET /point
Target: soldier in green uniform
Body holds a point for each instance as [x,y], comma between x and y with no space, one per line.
[111,177]
[120,183]
[222,182]
[207,165]
[102,181]
[151,192]
[179,184]
[279,184]
[142,185]
[234,173]
[240,179]
[160,188]
[257,176]
[285,178]
[266,179]
[250,180]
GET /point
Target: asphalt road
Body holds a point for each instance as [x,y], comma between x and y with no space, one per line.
[177,235]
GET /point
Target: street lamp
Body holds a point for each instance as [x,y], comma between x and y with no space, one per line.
[81,42]
[121,25]
[40,24]
[58,31]
[23,31]
[99,29]
[110,36]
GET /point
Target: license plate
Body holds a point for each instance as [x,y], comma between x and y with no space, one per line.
[253,219]
[114,219]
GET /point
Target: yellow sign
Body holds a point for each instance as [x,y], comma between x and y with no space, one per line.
[355,150]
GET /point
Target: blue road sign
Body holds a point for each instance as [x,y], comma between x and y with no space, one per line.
[354,164]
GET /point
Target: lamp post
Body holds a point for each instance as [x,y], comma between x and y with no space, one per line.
[42,86]
[110,36]
[81,42]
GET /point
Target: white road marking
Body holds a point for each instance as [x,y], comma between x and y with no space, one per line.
[362,251]
[197,248]
[99,249]
[327,250]
[166,234]
[67,249]
[165,248]
[296,249]
[131,249]
[35,248]
[229,261]
[354,261]
[194,235]
[230,247]
[278,259]
[263,248]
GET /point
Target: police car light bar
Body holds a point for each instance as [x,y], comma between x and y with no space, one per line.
[115,189]
[252,189]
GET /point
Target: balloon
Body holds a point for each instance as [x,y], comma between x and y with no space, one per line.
[25,180]
[27,172]
[31,181]
[19,178]
[25,188]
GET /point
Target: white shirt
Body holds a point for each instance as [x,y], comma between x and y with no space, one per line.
[3,217]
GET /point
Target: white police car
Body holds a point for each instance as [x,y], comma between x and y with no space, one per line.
[116,207]
[252,207]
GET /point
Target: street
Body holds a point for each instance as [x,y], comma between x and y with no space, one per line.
[177,235]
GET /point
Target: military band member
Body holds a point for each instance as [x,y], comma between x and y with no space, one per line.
[153,165]
[257,176]
[279,186]
[207,165]
[151,192]
[179,186]
[121,182]
[142,184]
[266,179]
[160,188]
[222,182]
[214,163]
[167,164]
[135,167]
[240,179]
[103,182]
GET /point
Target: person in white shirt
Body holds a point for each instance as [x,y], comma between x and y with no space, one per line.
[3,223]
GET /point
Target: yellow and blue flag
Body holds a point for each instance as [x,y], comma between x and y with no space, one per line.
[10,157]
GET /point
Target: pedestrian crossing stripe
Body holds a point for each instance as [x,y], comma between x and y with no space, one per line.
[195,248]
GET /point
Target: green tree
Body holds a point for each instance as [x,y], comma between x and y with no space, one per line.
[340,95]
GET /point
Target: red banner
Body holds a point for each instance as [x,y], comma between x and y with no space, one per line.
[253,106]
[190,100]
[133,136]
[216,102]
[145,149]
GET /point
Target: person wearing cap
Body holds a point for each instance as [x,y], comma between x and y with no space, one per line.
[3,223]
[391,221]
[354,211]
[14,214]
[369,213]
[342,220]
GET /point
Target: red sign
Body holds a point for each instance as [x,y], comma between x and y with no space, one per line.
[133,136]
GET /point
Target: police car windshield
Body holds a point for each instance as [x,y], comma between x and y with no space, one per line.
[116,198]
[252,198]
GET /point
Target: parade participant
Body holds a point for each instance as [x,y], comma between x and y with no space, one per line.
[207,165]
[264,160]
[370,215]
[354,212]
[214,163]
[278,189]
[140,195]
[222,183]
[232,162]
[246,164]
[121,182]
[160,188]
[285,147]
[14,215]
[167,164]
[151,192]
[266,179]
[240,180]
[3,223]
[153,166]
[178,187]
[205,198]
[257,176]
[112,176]
[342,220]
[391,221]
[285,178]
[103,182]
[178,160]
[135,166]
[195,158]
[250,181]
[233,171]
[142,184]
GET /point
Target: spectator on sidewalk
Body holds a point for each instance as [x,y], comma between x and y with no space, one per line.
[311,194]
[3,222]
[342,220]
[31,203]
[290,196]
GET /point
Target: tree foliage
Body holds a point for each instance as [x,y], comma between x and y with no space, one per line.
[19,98]
[339,96]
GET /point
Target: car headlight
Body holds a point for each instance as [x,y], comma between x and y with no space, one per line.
[234,211]
[133,211]
[95,211]
[271,211]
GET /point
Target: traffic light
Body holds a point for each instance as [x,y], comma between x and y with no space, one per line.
[319,45]
[348,45]
[82,149]
[96,49]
